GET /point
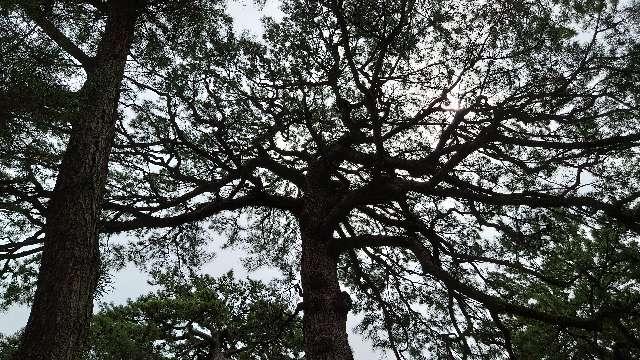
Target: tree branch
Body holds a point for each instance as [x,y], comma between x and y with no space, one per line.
[38,17]
[492,303]
[200,213]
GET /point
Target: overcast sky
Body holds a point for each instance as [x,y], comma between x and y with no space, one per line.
[131,283]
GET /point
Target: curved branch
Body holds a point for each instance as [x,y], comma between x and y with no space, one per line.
[200,213]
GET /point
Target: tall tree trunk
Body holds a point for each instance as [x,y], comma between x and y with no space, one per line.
[325,311]
[69,269]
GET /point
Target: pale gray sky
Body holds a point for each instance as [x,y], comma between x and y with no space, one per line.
[130,283]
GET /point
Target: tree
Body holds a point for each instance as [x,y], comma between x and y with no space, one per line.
[456,166]
[447,163]
[70,261]
[60,35]
[204,318]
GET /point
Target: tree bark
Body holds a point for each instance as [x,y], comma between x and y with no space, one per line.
[70,264]
[325,311]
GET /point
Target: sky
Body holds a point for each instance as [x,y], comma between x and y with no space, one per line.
[129,283]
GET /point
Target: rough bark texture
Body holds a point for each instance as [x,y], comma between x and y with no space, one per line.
[325,313]
[63,302]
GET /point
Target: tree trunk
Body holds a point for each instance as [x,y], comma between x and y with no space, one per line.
[69,269]
[325,311]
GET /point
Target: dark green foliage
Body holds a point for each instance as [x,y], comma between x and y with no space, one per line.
[197,319]
[8,345]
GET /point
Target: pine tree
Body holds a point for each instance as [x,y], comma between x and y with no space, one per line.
[47,42]
[443,162]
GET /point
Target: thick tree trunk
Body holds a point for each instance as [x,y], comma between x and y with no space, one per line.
[69,269]
[325,311]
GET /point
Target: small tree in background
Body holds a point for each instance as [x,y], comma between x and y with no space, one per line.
[204,318]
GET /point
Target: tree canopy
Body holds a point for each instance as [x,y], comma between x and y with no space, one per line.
[463,173]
